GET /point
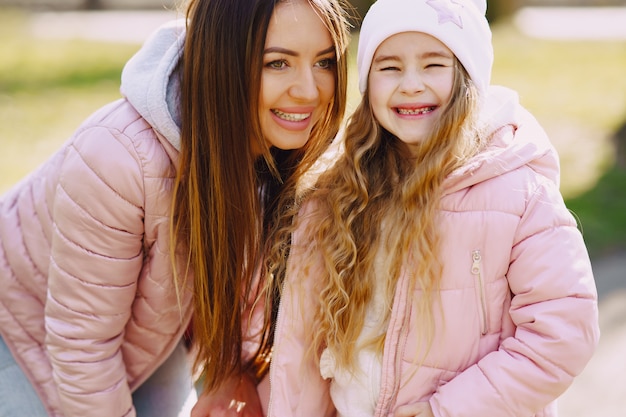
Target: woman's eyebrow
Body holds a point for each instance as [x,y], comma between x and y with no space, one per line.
[278,49]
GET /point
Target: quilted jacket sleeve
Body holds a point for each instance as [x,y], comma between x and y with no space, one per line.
[554,309]
[96,258]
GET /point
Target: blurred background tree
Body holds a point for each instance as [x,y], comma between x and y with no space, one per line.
[500,9]
[93,4]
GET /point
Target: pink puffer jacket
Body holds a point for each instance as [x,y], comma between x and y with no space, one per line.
[517,315]
[88,306]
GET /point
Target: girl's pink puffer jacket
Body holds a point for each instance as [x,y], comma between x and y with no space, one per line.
[517,315]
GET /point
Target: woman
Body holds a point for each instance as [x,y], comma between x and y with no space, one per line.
[435,270]
[159,208]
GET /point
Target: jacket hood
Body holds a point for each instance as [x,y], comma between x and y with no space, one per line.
[516,139]
[150,80]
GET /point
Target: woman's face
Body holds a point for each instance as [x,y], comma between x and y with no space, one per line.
[298,77]
[410,82]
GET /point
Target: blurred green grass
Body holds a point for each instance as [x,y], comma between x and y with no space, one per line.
[577,90]
[47,87]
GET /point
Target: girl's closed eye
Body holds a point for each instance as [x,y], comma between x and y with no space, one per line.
[388,68]
[438,64]
[438,60]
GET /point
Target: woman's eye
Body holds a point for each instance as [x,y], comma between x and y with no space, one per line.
[278,64]
[327,63]
[390,68]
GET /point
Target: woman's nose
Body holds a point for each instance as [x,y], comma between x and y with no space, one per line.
[304,85]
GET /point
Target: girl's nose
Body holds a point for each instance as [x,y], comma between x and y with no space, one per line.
[412,83]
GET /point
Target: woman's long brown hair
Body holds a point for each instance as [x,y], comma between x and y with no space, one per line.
[226,200]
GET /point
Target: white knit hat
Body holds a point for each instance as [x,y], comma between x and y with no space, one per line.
[460,24]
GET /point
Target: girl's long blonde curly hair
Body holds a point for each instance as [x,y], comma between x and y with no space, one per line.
[378,197]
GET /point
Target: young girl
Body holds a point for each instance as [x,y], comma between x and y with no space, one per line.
[160,205]
[434,269]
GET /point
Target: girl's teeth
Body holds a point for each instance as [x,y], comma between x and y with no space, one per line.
[292,117]
[416,111]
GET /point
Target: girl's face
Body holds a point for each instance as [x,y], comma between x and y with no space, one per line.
[410,82]
[298,77]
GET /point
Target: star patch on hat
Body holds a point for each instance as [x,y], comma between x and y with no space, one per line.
[447,11]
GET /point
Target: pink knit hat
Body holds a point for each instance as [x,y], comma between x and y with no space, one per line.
[460,24]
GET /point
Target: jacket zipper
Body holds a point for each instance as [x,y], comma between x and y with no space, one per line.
[477,271]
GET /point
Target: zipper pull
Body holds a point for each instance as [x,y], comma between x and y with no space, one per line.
[476,258]
[476,262]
